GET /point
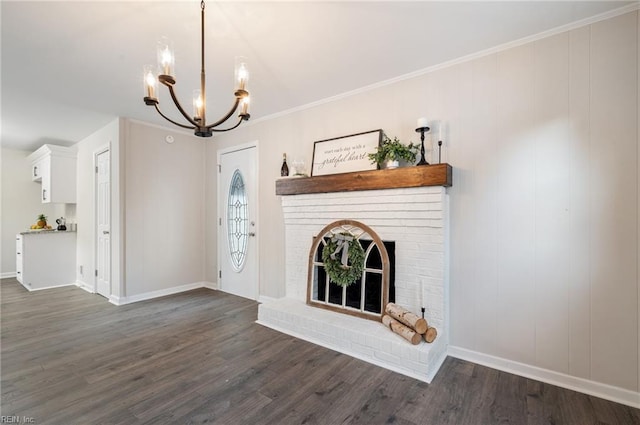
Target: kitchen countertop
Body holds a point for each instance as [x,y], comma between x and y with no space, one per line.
[33,232]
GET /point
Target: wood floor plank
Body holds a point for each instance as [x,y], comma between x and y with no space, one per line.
[70,357]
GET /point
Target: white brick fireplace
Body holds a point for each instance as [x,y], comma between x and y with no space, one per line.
[416,219]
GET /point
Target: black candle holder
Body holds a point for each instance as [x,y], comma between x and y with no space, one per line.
[439,151]
[422,309]
[422,130]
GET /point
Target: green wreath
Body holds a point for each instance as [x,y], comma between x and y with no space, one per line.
[338,273]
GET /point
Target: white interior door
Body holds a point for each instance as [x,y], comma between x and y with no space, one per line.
[237,222]
[103,224]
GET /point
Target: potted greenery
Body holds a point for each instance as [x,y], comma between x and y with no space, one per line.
[391,152]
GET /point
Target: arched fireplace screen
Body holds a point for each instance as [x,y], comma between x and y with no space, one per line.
[361,273]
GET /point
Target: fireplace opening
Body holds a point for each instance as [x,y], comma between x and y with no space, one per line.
[372,279]
[369,292]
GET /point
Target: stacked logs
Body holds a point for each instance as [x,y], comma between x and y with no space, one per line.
[408,325]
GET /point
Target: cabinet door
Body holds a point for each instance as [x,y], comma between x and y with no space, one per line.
[45,169]
[36,171]
[48,260]
[55,167]
[19,258]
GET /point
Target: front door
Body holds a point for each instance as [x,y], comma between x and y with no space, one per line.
[237,222]
[103,224]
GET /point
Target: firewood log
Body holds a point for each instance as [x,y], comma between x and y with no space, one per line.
[407,318]
[402,330]
[430,335]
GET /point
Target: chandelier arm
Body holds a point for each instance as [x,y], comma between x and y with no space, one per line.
[226,117]
[170,120]
[230,128]
[177,103]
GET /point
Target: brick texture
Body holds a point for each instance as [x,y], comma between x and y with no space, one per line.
[415,219]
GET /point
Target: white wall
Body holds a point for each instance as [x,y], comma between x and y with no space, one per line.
[20,205]
[165,210]
[157,209]
[544,240]
[108,136]
[543,138]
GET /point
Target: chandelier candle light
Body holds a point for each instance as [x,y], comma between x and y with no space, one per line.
[198,123]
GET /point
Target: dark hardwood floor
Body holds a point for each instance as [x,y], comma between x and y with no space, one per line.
[69,357]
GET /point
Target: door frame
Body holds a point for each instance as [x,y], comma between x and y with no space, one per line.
[220,238]
[102,149]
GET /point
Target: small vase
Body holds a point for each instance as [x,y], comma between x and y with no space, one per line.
[392,164]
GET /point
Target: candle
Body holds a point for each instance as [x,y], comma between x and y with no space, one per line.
[421,295]
[149,82]
[165,56]
[245,106]
[440,132]
[422,122]
[241,73]
[198,105]
[242,77]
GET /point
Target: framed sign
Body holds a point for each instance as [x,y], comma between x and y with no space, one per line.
[345,154]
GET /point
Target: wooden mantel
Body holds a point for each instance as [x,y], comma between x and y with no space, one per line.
[414,176]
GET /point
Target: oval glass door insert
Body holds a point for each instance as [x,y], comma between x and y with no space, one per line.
[237,221]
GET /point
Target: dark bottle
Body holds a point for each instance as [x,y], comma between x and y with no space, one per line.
[284,170]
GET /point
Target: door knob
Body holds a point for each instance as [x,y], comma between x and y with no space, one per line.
[252,234]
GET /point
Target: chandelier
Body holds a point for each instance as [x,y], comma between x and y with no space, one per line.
[198,122]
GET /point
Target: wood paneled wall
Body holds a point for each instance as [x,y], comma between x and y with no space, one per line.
[544,205]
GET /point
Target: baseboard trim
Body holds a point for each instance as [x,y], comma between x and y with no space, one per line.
[159,293]
[82,285]
[47,287]
[210,285]
[597,389]
[264,299]
[7,275]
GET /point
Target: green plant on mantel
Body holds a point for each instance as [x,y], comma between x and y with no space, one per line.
[393,150]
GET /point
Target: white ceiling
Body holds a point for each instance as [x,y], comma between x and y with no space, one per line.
[68,68]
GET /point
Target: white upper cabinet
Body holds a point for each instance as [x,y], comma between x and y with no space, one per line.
[55,167]
[37,170]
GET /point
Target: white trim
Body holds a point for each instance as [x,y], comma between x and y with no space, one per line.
[99,151]
[210,285]
[82,285]
[264,299]
[159,293]
[235,148]
[605,391]
[447,64]
[47,287]
[7,275]
[424,378]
